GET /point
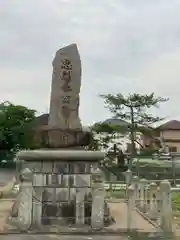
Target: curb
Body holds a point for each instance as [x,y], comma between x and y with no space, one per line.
[104,232]
[148,219]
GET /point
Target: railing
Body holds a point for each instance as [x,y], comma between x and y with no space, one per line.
[152,200]
[153,169]
[118,189]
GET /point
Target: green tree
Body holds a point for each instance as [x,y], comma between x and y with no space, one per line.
[14,128]
[135,109]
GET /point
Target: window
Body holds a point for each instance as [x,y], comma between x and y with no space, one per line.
[172,149]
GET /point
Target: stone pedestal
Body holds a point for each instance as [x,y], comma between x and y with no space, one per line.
[61,187]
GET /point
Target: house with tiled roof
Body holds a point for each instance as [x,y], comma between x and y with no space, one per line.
[168,135]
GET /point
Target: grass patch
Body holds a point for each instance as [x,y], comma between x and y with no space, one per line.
[155,163]
[117,194]
[176,209]
[176,201]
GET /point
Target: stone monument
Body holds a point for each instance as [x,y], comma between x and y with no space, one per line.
[66,83]
[60,181]
[64,128]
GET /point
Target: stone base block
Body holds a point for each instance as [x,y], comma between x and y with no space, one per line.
[61,138]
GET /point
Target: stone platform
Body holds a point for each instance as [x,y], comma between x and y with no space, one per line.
[62,187]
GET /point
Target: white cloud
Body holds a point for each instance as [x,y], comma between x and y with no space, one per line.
[125,46]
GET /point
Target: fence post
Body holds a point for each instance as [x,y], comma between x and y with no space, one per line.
[143,183]
[135,183]
[146,197]
[128,179]
[174,170]
[98,196]
[158,198]
[153,201]
[166,208]
[138,168]
[131,207]
[25,204]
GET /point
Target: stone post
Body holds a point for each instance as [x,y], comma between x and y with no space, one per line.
[146,197]
[25,203]
[143,183]
[80,218]
[166,208]
[131,207]
[174,170]
[82,182]
[38,183]
[158,199]
[153,211]
[98,196]
[135,183]
[128,179]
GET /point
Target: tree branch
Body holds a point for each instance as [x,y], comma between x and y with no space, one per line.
[139,143]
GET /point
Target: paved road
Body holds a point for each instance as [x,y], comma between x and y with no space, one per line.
[59,237]
[6,176]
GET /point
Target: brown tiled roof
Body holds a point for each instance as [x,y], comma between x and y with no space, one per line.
[171,125]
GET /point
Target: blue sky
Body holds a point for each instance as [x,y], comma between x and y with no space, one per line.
[125,46]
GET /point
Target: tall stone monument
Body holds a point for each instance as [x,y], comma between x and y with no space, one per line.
[64,126]
[66,83]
